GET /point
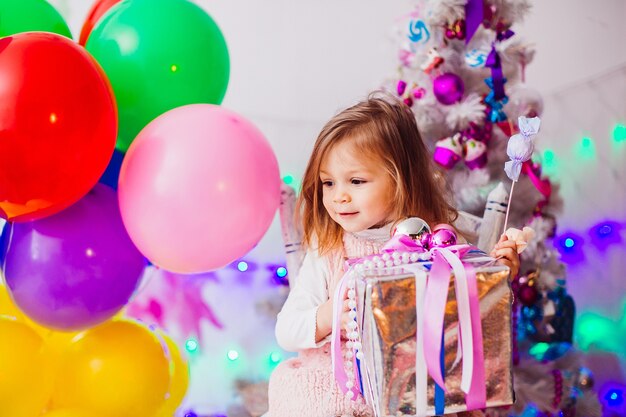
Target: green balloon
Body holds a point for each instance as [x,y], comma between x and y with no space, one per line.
[159,55]
[17,16]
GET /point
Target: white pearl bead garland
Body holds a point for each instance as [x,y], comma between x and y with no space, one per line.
[352,332]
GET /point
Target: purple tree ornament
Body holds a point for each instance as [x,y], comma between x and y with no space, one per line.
[448,88]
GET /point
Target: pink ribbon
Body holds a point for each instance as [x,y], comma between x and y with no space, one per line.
[543,186]
[477,396]
[470,334]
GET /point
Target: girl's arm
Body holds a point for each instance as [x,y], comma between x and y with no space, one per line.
[297,322]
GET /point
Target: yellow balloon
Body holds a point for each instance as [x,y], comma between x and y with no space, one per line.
[58,342]
[70,412]
[55,341]
[7,306]
[179,378]
[26,373]
[117,369]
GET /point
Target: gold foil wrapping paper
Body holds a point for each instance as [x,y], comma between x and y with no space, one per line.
[388,323]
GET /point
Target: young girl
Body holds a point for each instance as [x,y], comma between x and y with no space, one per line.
[369,169]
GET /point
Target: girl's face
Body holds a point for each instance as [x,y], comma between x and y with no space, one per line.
[357,191]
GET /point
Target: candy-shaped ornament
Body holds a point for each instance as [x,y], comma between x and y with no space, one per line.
[520,147]
[475,154]
[477,57]
[448,151]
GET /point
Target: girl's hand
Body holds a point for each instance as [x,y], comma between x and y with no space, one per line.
[506,251]
[324,325]
[345,317]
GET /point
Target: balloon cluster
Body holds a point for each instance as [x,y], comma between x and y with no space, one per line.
[182,192]
[198,187]
[54,373]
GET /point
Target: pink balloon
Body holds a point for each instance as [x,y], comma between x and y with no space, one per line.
[198,188]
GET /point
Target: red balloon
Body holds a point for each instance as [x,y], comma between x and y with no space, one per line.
[99,8]
[58,124]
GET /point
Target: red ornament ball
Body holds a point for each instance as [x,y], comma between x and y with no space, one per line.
[528,294]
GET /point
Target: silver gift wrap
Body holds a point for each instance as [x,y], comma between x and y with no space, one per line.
[388,322]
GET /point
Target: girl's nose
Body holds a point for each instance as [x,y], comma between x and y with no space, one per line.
[341,196]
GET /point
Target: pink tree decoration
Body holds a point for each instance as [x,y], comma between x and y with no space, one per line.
[174,300]
[519,150]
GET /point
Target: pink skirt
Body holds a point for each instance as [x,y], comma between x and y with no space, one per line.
[305,387]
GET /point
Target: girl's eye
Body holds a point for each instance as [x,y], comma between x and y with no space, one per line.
[327,183]
[357,181]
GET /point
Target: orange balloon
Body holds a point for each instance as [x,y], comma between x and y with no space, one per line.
[117,369]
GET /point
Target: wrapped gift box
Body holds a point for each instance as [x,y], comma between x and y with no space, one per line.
[388,305]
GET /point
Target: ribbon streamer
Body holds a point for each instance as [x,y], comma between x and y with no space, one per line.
[474,15]
[543,186]
[495,63]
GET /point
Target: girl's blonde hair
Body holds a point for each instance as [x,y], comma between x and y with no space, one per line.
[383,129]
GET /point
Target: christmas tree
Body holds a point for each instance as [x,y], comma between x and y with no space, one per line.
[461,69]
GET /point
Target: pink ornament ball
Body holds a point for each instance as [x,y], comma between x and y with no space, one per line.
[425,240]
[443,237]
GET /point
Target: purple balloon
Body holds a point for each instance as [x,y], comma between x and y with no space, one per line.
[75,269]
[448,88]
